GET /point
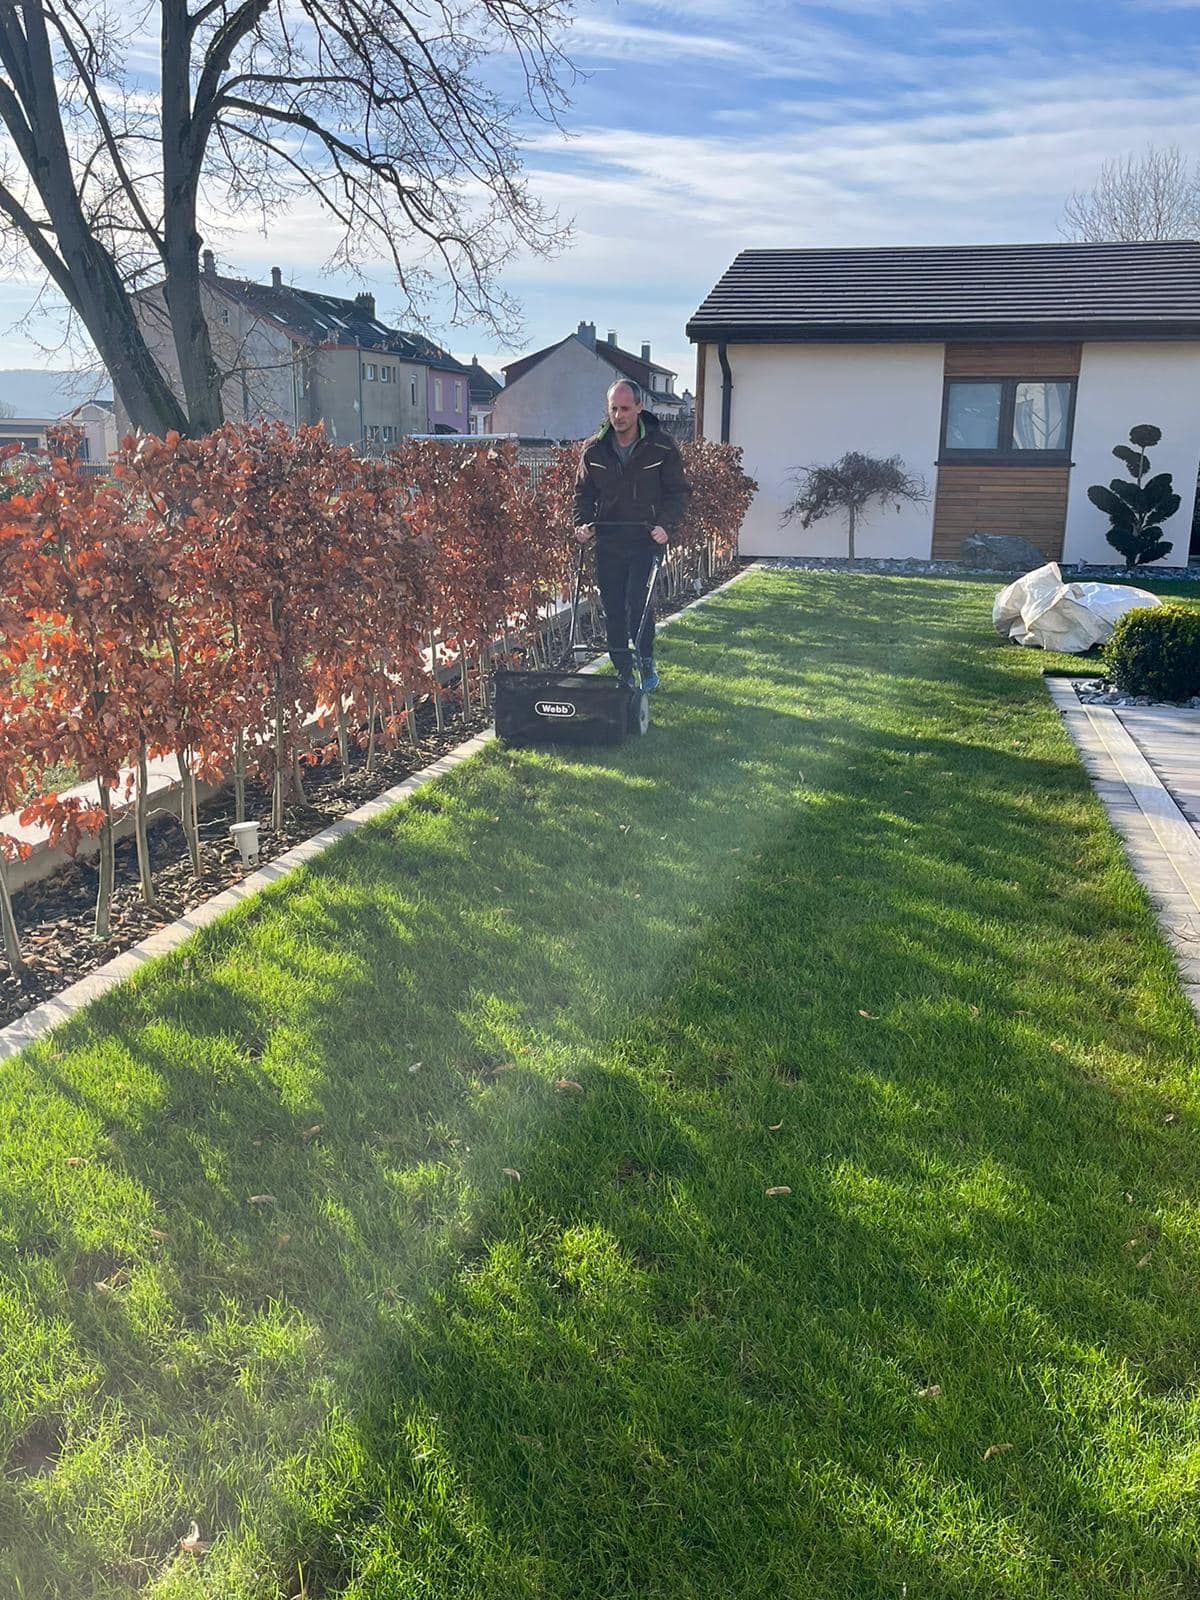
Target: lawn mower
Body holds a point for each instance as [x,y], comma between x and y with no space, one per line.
[562,705]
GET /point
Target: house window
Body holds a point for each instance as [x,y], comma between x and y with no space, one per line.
[437,394]
[373,433]
[413,386]
[458,396]
[369,371]
[387,433]
[1008,419]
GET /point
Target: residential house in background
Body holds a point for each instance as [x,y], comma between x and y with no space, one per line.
[1002,374]
[559,392]
[294,356]
[94,419]
[484,389]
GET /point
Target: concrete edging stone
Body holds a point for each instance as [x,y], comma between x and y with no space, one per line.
[39,1021]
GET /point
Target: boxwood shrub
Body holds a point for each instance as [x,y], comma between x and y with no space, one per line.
[1155,650]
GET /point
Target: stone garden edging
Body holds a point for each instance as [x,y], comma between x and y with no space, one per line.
[1161,845]
[39,1021]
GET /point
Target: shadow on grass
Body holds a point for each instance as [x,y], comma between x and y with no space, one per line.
[910,981]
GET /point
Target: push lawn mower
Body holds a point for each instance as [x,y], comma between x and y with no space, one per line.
[562,705]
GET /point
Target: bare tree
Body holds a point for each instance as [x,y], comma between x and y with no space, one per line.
[1154,196]
[377,108]
[849,486]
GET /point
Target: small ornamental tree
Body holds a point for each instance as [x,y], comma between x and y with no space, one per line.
[849,486]
[1137,510]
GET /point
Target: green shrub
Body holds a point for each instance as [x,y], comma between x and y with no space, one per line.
[1156,651]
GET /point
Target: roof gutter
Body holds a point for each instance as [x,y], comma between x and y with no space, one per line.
[726,390]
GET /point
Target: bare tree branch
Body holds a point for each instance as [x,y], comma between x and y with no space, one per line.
[1138,198]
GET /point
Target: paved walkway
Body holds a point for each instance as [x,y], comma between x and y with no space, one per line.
[1144,762]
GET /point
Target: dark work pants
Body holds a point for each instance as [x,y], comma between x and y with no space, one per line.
[622,573]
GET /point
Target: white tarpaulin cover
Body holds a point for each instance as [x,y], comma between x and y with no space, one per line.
[1044,613]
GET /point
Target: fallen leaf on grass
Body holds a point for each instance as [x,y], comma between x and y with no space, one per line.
[311,1133]
[995,1450]
[931,1393]
[283,1239]
[774,1127]
[511,1172]
[1171,1116]
[416,1066]
[974,1011]
[1145,1260]
[159,1235]
[568,1086]
[779,1189]
[871,1016]
[77,1161]
[193,1543]
[261,1200]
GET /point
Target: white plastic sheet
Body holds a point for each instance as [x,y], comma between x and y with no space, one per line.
[1044,613]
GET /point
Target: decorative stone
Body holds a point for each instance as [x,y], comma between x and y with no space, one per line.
[1006,552]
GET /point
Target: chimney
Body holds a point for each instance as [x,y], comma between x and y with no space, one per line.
[208,264]
[586,332]
[276,278]
[612,336]
[645,352]
[366,304]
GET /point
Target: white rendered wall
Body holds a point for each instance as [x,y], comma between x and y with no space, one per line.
[797,405]
[1121,385]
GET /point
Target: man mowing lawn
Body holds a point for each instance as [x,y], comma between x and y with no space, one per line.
[630,493]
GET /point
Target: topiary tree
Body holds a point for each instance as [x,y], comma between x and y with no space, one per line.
[1137,510]
[850,485]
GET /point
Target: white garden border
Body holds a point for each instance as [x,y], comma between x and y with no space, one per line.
[39,1021]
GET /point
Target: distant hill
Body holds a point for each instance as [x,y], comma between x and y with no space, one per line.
[34,392]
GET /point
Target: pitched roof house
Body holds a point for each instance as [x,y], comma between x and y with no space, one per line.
[559,391]
[1002,374]
[297,356]
[484,389]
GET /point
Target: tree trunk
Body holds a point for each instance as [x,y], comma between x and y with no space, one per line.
[373,718]
[8,922]
[437,687]
[141,801]
[239,777]
[79,265]
[187,809]
[851,533]
[181,174]
[343,738]
[104,889]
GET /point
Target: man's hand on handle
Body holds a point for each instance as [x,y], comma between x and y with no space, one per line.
[659,535]
[585,531]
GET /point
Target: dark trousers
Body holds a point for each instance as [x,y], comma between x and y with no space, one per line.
[622,573]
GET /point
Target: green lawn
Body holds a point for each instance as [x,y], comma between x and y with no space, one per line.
[849,921]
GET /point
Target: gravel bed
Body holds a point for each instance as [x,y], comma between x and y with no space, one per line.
[1072,572]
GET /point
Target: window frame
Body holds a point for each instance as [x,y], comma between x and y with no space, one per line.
[1008,455]
[438,395]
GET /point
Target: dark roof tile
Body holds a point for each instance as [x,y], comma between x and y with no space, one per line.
[1083,290]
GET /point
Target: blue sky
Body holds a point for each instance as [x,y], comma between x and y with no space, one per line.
[698,129]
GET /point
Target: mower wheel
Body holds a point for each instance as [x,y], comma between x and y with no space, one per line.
[639,713]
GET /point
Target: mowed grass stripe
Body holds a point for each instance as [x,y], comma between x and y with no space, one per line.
[849,922]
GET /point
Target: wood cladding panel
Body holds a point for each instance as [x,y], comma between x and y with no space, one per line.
[1012,360]
[1030,501]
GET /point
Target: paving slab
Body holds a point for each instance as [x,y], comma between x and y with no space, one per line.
[1144,763]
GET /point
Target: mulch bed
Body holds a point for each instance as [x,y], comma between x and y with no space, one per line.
[56,915]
